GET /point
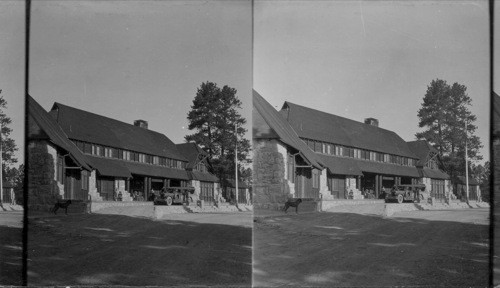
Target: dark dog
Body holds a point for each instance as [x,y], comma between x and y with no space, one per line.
[292,203]
[63,205]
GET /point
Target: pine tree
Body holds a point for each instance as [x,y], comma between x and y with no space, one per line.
[443,115]
[215,118]
[8,144]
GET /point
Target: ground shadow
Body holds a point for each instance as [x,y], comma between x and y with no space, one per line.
[99,249]
[347,249]
[11,244]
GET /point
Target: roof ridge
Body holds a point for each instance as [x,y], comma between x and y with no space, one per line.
[109,118]
[342,117]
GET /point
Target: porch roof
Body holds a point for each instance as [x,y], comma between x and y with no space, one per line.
[156,171]
[121,168]
[200,176]
[350,166]
[107,167]
[340,165]
[433,173]
[387,169]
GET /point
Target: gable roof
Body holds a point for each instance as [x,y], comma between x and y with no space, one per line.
[283,130]
[191,152]
[421,149]
[89,127]
[317,125]
[55,132]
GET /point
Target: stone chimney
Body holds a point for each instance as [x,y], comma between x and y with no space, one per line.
[371,121]
[141,123]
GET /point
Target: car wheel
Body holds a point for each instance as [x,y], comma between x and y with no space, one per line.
[169,201]
[400,199]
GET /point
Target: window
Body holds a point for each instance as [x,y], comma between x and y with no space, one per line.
[373,156]
[156,160]
[85,180]
[380,157]
[60,169]
[163,161]
[329,149]
[315,178]
[142,158]
[323,148]
[357,153]
[108,152]
[126,155]
[291,168]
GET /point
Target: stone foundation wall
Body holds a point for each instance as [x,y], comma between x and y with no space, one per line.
[43,189]
[269,173]
[94,195]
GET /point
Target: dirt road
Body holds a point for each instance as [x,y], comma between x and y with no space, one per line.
[11,248]
[120,250]
[447,248]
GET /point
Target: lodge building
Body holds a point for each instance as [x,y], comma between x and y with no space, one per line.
[75,154]
[305,153]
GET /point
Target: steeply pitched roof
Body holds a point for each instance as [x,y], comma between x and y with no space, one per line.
[192,152]
[421,149]
[433,173]
[86,126]
[283,129]
[317,125]
[55,133]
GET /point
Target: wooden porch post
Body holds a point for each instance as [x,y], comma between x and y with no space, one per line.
[377,185]
[145,186]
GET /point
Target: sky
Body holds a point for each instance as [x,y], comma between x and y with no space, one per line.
[496,49]
[361,59]
[131,60]
[12,63]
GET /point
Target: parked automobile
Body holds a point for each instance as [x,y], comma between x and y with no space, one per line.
[174,195]
[409,192]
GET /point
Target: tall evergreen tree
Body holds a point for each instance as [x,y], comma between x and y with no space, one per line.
[8,144]
[443,115]
[219,127]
